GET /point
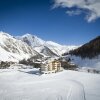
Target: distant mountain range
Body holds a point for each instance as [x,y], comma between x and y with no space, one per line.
[14,49]
[48,48]
[20,47]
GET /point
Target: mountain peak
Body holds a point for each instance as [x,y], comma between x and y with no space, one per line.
[12,49]
[32,40]
[28,35]
[5,34]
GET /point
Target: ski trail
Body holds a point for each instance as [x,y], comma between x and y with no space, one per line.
[76,91]
[69,93]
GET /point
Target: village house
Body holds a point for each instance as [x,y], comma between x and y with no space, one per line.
[51,67]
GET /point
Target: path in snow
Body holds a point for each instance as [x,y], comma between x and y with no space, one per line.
[15,85]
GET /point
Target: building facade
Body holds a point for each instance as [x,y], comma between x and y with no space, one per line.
[51,67]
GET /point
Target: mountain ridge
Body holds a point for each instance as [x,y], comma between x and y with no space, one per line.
[15,48]
[37,43]
[88,50]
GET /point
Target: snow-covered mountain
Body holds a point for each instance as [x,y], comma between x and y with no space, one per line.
[31,40]
[12,49]
[44,50]
[59,49]
[20,47]
[47,48]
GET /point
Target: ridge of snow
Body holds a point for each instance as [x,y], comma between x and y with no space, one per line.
[53,43]
[27,45]
[39,44]
[32,40]
[14,49]
[5,34]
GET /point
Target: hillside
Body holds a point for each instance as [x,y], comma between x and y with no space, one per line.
[88,50]
[14,50]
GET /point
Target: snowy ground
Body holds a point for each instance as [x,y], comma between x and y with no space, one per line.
[27,84]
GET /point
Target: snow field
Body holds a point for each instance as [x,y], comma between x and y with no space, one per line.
[25,84]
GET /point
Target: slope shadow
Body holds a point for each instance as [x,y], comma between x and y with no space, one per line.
[36,72]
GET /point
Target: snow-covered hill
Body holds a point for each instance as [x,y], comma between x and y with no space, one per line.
[50,47]
[12,49]
[89,50]
[26,84]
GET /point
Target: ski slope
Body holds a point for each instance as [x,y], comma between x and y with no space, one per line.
[28,84]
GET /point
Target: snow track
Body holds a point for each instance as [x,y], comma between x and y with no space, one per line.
[76,91]
[15,85]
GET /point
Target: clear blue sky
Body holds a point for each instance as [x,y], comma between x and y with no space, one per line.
[18,17]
